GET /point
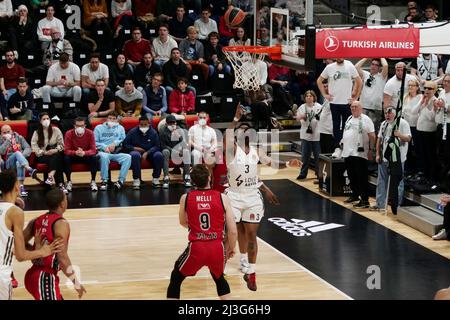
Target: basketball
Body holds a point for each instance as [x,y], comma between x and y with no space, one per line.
[234,17]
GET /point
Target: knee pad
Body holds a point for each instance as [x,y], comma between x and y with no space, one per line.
[176,279]
[222,285]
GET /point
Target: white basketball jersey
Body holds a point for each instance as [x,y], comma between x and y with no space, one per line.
[243,170]
[6,240]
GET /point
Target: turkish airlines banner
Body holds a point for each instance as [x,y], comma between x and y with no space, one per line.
[368,43]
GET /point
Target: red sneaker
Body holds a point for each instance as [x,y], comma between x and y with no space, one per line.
[14,283]
[251,281]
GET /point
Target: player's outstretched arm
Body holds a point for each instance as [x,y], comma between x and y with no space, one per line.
[15,215]
[62,231]
[28,234]
[237,116]
[231,226]
[182,212]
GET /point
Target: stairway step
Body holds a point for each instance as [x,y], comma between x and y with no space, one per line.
[274,147]
[421,218]
[285,156]
[432,202]
[283,136]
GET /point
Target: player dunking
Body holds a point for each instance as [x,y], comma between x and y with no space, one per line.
[42,280]
[11,233]
[244,192]
[205,213]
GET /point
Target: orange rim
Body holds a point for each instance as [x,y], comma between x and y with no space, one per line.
[274,52]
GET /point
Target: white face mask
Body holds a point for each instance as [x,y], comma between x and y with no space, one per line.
[79,131]
[112,124]
[144,129]
[46,123]
[202,122]
[7,136]
[172,127]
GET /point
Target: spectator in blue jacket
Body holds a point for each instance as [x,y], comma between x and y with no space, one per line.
[154,101]
[108,139]
[143,143]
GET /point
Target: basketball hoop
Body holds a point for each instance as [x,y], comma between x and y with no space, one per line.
[242,59]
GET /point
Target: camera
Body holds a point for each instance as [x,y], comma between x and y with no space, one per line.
[360,149]
[369,81]
[317,117]
[309,130]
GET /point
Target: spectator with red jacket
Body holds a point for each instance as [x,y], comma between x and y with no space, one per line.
[79,147]
[182,99]
[135,48]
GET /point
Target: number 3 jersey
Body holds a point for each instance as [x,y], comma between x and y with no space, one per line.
[243,171]
[205,214]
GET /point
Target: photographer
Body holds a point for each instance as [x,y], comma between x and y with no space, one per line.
[357,143]
[309,114]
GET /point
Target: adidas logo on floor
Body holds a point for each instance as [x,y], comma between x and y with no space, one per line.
[302,228]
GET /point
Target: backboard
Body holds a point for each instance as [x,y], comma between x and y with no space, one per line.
[282,22]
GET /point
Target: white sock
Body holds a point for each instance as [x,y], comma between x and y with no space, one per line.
[244,257]
[251,268]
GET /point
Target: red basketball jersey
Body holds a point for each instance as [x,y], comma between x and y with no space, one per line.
[205,214]
[220,175]
[44,229]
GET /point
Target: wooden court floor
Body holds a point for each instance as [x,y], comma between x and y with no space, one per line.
[128,253]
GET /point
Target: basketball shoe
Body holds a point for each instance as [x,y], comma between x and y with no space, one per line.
[251,281]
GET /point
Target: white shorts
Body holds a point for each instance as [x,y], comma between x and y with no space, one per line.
[247,206]
[5,286]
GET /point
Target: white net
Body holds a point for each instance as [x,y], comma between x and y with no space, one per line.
[246,71]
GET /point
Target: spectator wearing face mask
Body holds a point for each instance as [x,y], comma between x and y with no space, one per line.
[143,143]
[203,140]
[108,139]
[174,147]
[79,147]
[47,143]
[14,150]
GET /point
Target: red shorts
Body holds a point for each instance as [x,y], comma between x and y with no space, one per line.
[202,253]
[42,285]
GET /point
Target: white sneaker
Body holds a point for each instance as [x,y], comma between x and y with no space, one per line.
[166,182]
[441,235]
[93,186]
[136,184]
[244,266]
[156,183]
[337,153]
[187,181]
[69,186]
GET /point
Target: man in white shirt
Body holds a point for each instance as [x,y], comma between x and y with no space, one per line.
[344,87]
[163,45]
[93,71]
[45,26]
[403,132]
[392,87]
[357,143]
[63,80]
[205,25]
[374,81]
[203,141]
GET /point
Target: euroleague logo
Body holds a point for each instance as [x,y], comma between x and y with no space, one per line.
[331,43]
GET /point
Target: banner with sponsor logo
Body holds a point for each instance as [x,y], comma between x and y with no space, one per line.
[368,43]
